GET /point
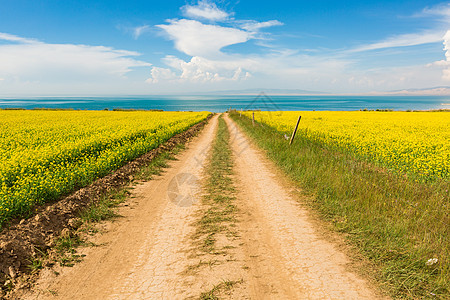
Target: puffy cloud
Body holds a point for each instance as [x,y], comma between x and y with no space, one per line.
[161,74]
[204,10]
[239,74]
[445,64]
[447,45]
[200,69]
[197,39]
[204,43]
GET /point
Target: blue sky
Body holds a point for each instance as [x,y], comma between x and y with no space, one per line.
[156,47]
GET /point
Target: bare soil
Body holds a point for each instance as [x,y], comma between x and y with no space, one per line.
[276,252]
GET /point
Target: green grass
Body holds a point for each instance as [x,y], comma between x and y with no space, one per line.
[395,222]
[66,249]
[224,287]
[219,216]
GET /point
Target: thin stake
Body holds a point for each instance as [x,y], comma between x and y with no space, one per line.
[253,118]
[295,130]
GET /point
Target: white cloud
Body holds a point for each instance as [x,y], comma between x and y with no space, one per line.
[442,10]
[444,64]
[253,26]
[14,38]
[197,39]
[204,43]
[26,60]
[204,10]
[447,45]
[239,74]
[438,13]
[283,68]
[404,40]
[161,74]
[200,69]
[138,31]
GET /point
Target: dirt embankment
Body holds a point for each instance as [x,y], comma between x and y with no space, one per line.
[24,239]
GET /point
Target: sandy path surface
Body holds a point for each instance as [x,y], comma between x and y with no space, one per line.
[286,256]
[149,253]
[143,252]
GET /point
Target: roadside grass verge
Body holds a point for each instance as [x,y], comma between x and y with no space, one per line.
[399,224]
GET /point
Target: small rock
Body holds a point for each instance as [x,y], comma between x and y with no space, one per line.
[65,232]
[50,242]
[73,223]
[22,221]
[7,282]
[37,218]
[431,261]
[12,272]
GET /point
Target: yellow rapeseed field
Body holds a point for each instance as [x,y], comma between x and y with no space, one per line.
[46,154]
[417,143]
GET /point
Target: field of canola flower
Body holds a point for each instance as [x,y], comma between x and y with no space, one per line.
[46,154]
[416,143]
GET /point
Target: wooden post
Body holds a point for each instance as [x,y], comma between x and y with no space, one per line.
[240,115]
[295,130]
[253,118]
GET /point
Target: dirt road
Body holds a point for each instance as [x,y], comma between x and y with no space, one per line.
[277,252]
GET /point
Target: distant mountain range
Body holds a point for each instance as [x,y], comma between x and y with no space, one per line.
[267,91]
[434,91]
